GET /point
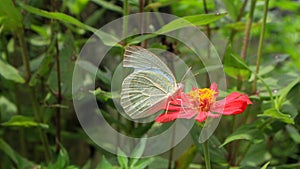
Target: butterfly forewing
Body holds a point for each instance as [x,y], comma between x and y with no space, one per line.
[141,59]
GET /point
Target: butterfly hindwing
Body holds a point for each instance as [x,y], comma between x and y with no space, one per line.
[143,93]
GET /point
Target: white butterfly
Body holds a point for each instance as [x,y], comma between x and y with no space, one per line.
[150,87]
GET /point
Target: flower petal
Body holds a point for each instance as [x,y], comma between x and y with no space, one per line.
[234,103]
[214,87]
[167,117]
[201,116]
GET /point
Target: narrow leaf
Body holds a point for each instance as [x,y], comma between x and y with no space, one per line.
[143,163]
[14,156]
[265,166]
[104,164]
[156,5]
[246,132]
[138,152]
[108,5]
[45,66]
[286,90]
[23,121]
[186,158]
[195,20]
[107,39]
[122,159]
[294,133]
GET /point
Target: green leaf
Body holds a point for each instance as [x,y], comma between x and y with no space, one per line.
[187,157]
[12,18]
[45,66]
[122,159]
[294,133]
[241,26]
[194,20]
[218,155]
[236,72]
[234,68]
[156,5]
[104,95]
[76,6]
[7,109]
[108,5]
[14,156]
[285,92]
[62,161]
[137,152]
[10,73]
[256,155]
[104,164]
[57,15]
[23,121]
[87,165]
[246,132]
[238,59]
[231,8]
[106,38]
[143,163]
[265,165]
[276,114]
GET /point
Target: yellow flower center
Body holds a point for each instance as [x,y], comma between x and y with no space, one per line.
[204,98]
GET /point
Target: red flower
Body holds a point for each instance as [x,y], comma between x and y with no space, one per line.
[201,103]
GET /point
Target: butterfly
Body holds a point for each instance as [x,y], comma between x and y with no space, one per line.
[150,87]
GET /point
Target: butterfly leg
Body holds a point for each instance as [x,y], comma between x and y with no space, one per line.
[167,109]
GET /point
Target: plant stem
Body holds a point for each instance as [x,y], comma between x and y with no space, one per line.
[242,10]
[25,57]
[125,19]
[206,155]
[59,94]
[21,131]
[259,51]
[32,95]
[248,29]
[59,100]
[261,39]
[15,59]
[208,34]
[230,146]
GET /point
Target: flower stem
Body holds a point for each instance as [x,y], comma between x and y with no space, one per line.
[248,29]
[261,39]
[206,155]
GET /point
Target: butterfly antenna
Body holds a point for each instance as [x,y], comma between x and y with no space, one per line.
[185,74]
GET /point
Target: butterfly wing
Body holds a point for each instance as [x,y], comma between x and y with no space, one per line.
[143,93]
[142,59]
[148,88]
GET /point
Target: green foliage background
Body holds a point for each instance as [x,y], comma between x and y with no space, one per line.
[41,40]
